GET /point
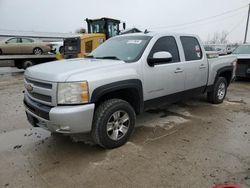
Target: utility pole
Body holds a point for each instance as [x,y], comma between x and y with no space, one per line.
[245,39]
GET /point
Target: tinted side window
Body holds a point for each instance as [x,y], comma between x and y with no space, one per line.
[166,44]
[25,40]
[13,40]
[192,49]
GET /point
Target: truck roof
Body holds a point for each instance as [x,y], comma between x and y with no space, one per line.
[159,33]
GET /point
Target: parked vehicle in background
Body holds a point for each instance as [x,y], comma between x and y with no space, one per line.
[126,75]
[230,49]
[99,30]
[57,49]
[221,49]
[25,61]
[243,63]
[23,45]
[209,48]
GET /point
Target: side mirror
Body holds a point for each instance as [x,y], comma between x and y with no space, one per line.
[124,25]
[160,57]
[6,42]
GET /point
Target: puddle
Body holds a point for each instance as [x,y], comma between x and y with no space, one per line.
[165,118]
[171,111]
[235,101]
[118,154]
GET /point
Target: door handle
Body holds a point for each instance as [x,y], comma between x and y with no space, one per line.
[178,70]
[202,66]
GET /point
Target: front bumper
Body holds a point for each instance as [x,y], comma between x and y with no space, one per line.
[60,119]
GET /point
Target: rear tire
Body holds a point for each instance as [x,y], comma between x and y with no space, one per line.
[113,123]
[37,51]
[27,63]
[1,52]
[219,91]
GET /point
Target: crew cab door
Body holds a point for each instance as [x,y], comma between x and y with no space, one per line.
[165,78]
[196,65]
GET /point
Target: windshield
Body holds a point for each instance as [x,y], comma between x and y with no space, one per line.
[244,49]
[126,48]
[97,27]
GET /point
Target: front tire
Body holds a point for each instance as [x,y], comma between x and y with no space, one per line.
[219,91]
[1,52]
[113,123]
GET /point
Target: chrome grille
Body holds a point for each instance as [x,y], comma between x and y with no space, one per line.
[41,91]
[41,97]
[40,84]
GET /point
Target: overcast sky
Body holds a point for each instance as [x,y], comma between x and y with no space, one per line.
[69,15]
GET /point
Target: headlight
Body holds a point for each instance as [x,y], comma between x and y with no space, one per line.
[73,93]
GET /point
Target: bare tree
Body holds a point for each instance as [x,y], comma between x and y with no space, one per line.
[218,38]
[223,37]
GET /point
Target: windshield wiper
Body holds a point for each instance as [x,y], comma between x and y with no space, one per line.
[108,57]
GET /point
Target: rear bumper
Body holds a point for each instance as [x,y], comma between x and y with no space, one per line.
[61,119]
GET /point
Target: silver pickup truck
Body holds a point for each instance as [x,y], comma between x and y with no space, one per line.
[128,74]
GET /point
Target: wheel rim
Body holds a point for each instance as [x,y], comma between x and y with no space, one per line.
[37,51]
[221,91]
[118,125]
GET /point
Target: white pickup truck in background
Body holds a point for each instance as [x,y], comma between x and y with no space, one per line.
[125,76]
[243,63]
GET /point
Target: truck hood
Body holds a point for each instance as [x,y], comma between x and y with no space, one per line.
[60,71]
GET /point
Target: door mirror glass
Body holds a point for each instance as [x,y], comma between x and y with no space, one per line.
[160,58]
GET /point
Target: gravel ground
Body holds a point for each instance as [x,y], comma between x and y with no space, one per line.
[192,144]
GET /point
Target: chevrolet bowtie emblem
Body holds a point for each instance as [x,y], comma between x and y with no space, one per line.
[29,87]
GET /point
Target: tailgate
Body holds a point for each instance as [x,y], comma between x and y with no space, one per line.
[243,68]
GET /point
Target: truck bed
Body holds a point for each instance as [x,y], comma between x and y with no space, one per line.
[218,63]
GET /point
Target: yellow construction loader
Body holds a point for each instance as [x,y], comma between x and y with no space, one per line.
[99,30]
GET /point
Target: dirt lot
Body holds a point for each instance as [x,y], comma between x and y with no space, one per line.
[192,144]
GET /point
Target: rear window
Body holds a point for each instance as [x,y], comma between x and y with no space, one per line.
[192,49]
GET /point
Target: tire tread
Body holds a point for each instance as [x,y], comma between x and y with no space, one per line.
[212,95]
[99,114]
